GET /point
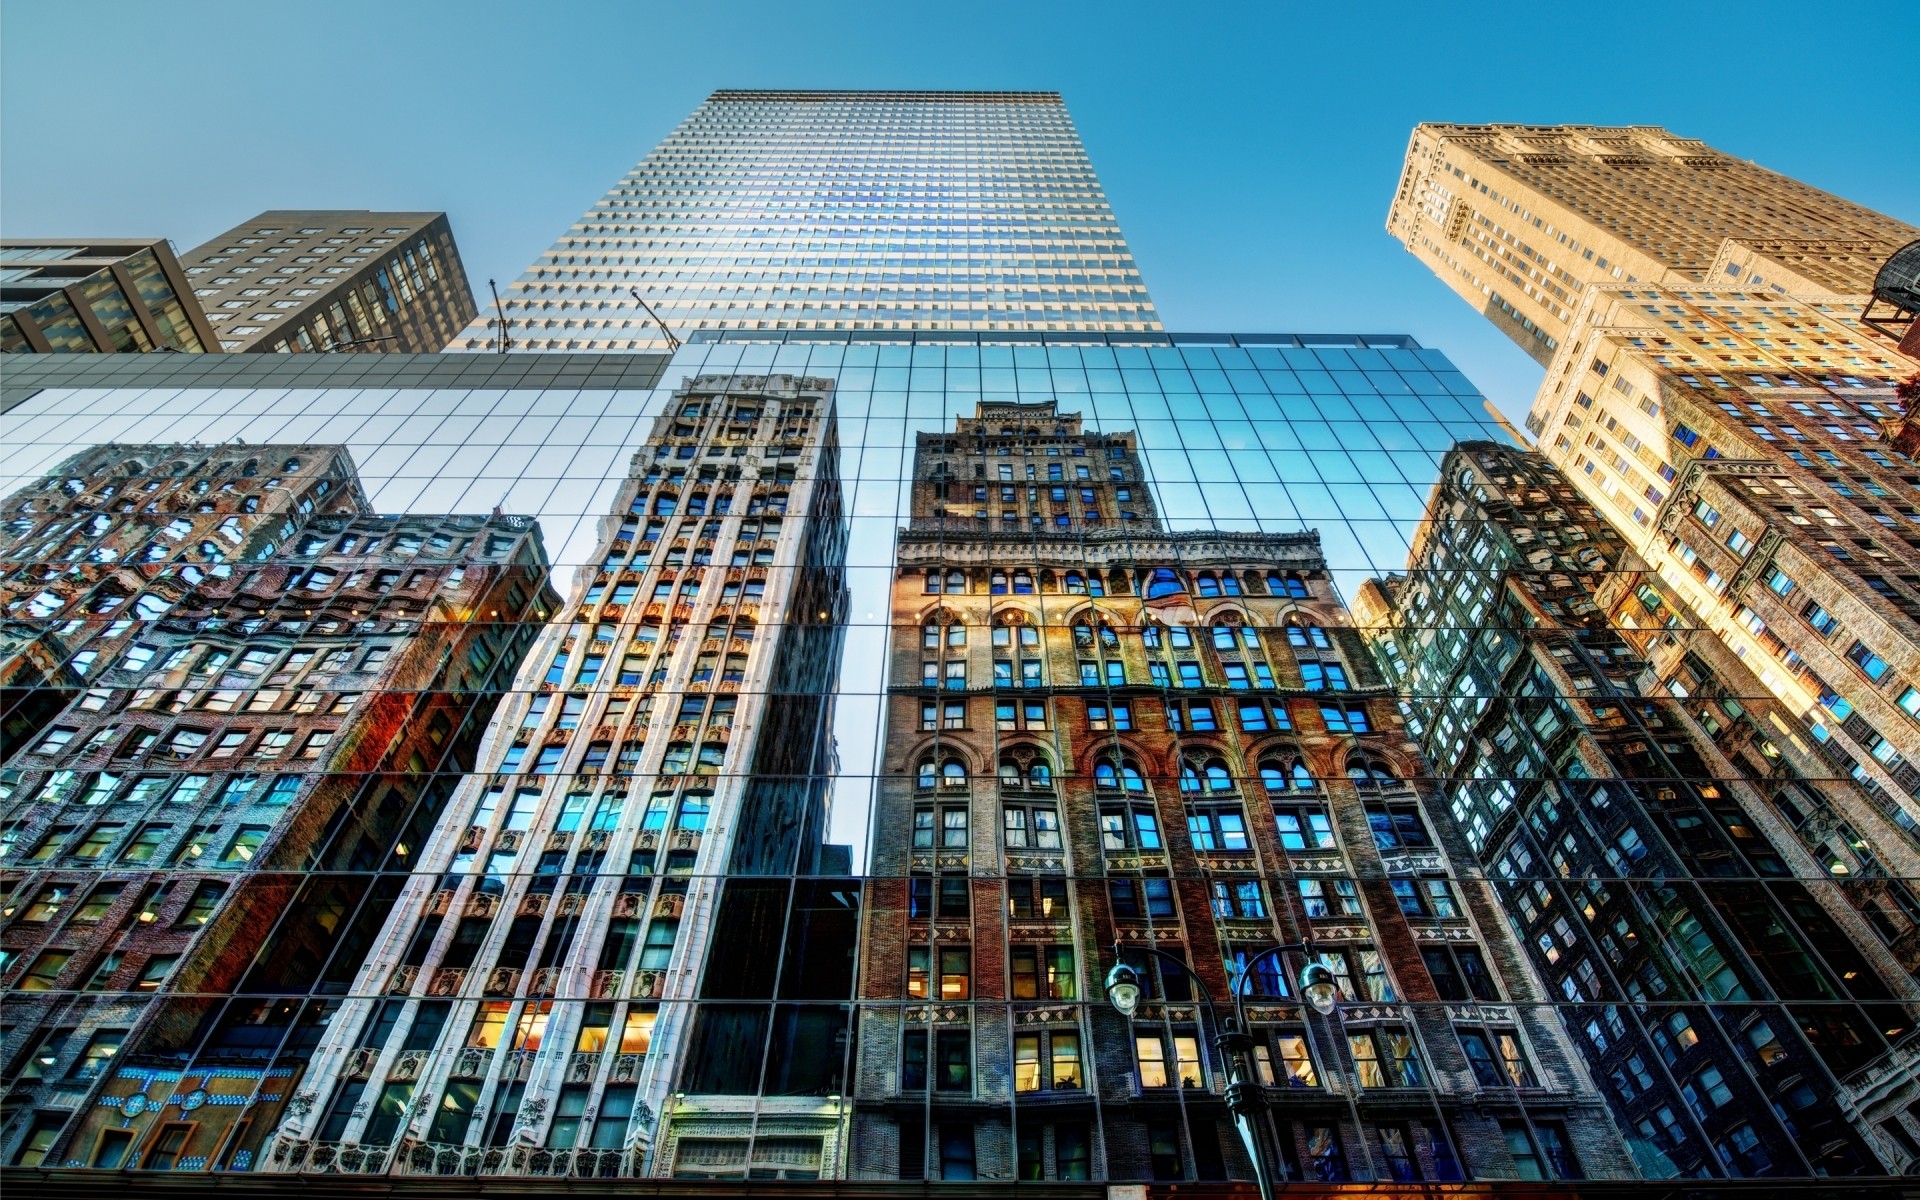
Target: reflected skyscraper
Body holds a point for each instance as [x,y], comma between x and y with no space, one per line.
[837,211]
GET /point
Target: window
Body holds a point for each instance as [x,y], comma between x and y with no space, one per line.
[98,1055]
[1396,826]
[1240,900]
[1032,827]
[1396,1148]
[1871,665]
[1323,677]
[1386,1057]
[1218,827]
[1168,1060]
[1047,1061]
[956,1151]
[1129,827]
[1460,973]
[246,842]
[1495,1057]
[953,1060]
[1304,827]
[1151,896]
[1330,897]
[1042,973]
[956,973]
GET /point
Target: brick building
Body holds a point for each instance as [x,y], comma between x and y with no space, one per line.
[1629,827]
[1102,732]
[270,679]
[617,953]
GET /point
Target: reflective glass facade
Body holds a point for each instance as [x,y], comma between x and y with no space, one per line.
[773,210]
[892,754]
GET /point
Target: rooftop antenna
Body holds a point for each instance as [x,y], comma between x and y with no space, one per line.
[673,343]
[500,318]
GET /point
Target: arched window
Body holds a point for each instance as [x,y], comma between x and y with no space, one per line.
[1206,584]
[1164,581]
[1286,774]
[1289,584]
[1076,584]
[1211,776]
[1119,775]
[997,583]
[934,580]
[1301,637]
[1022,583]
[956,583]
[1371,773]
[950,773]
[1026,769]
[1118,584]
[1049,583]
[1229,583]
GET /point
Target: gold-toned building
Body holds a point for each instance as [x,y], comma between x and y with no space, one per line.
[1520,219]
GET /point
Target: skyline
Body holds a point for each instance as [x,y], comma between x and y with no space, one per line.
[962,713]
[1187,179]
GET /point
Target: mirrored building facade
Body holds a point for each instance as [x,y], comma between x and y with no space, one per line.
[760,785]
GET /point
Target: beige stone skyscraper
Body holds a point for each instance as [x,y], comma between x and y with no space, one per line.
[1519,219]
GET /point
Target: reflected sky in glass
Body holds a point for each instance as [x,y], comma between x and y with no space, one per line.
[1345,441]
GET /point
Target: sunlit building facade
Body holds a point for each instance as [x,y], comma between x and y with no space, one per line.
[670,733]
[1105,734]
[837,211]
[1628,825]
[264,690]
[1521,219]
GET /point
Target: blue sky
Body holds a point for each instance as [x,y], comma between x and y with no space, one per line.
[1250,151]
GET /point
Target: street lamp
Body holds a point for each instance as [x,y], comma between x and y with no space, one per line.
[1244,1098]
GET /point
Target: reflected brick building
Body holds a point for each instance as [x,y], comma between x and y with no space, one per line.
[619,953]
[1714,906]
[1101,732]
[263,682]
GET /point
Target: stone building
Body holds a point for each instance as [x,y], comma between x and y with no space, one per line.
[616,953]
[1630,821]
[270,678]
[1521,219]
[1737,442]
[1104,733]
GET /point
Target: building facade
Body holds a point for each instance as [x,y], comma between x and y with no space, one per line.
[97,296]
[1104,734]
[276,689]
[1706,899]
[311,280]
[615,954]
[834,210]
[1754,477]
[1521,219]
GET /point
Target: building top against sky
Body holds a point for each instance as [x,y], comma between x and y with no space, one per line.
[838,210]
[1518,219]
[96,295]
[320,279]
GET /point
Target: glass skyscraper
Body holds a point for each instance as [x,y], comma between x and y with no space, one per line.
[847,211]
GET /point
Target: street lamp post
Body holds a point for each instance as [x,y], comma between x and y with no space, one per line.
[1244,1098]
